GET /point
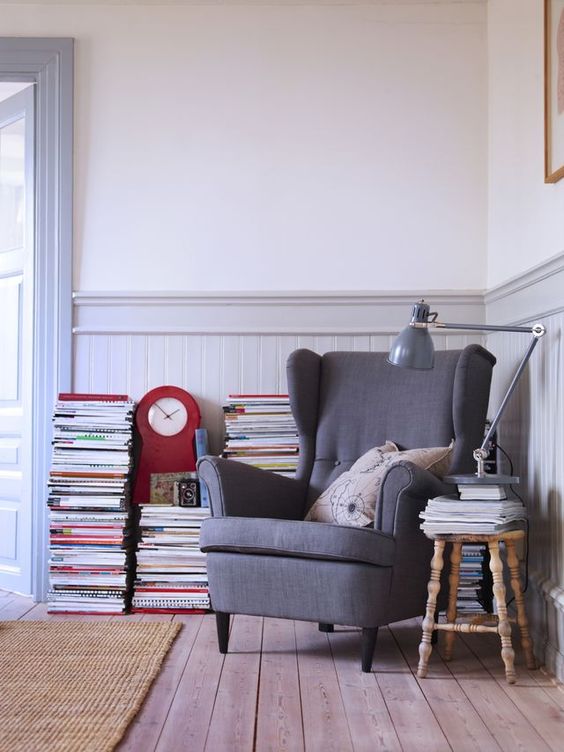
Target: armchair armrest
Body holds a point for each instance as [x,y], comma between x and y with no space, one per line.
[403,495]
[405,490]
[239,490]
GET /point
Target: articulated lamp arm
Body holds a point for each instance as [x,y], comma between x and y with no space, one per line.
[413,348]
[538,331]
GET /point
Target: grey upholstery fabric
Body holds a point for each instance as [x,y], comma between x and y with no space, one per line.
[404,480]
[312,540]
[245,491]
[344,404]
[364,401]
[334,592]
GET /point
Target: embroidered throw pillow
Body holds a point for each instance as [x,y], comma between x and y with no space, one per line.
[351,498]
[343,503]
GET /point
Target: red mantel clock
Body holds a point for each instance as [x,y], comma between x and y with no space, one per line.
[166,419]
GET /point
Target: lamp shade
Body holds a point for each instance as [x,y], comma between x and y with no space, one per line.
[413,348]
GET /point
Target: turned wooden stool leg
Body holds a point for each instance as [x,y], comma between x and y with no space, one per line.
[433,589]
[453,580]
[503,627]
[435,635]
[526,642]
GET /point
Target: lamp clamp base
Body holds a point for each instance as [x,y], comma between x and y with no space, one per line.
[480,455]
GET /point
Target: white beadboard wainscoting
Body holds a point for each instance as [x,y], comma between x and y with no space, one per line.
[216,344]
[532,432]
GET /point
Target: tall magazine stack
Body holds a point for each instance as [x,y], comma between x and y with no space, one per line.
[171,569]
[90,533]
[260,430]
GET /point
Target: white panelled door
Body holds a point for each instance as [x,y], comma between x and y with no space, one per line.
[16,337]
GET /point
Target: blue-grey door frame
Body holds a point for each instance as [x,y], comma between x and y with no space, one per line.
[49,63]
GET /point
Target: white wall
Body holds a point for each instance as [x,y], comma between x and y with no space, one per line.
[526,216]
[268,147]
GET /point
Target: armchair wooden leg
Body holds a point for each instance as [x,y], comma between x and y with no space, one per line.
[222,624]
[369,635]
[326,627]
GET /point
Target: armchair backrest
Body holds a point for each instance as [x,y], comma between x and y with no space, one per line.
[345,403]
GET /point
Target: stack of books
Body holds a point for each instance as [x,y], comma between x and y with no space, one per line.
[171,569]
[469,492]
[475,586]
[480,509]
[261,431]
[90,533]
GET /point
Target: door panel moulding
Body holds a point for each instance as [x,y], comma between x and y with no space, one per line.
[48,63]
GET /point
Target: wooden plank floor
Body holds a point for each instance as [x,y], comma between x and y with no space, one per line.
[286,686]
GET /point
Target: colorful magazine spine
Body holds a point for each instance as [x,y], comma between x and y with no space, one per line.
[90,527]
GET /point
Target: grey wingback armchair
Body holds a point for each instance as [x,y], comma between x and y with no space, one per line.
[263,559]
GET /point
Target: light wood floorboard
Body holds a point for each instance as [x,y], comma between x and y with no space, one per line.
[188,720]
[536,699]
[411,712]
[512,729]
[279,717]
[457,717]
[233,718]
[144,733]
[323,711]
[285,686]
[370,724]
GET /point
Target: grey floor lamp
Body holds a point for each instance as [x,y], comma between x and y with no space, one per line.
[413,348]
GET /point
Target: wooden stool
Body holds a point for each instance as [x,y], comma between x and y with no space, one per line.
[503,627]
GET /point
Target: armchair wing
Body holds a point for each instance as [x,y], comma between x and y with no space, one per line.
[239,490]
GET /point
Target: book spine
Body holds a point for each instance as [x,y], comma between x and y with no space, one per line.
[202,449]
[259,396]
[137,610]
[80,397]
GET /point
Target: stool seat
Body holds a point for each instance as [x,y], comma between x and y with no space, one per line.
[503,626]
[514,534]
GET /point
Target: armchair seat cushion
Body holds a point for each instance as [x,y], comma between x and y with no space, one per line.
[311,540]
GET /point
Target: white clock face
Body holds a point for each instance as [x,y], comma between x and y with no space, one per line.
[167,416]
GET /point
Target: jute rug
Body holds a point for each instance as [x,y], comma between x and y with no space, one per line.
[75,686]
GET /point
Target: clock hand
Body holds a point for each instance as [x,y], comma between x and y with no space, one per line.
[162,411]
[173,413]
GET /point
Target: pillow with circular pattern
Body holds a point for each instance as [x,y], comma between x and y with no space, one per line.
[351,498]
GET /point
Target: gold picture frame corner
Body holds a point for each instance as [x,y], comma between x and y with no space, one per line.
[551,175]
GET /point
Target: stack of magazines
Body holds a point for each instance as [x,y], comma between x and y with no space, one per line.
[260,430]
[90,536]
[481,509]
[171,569]
[475,586]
